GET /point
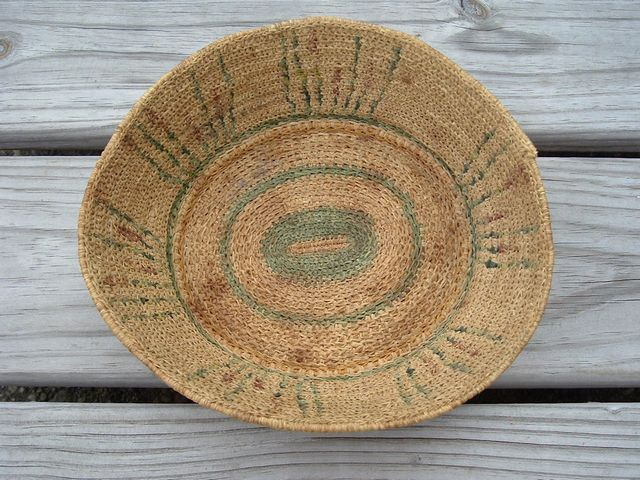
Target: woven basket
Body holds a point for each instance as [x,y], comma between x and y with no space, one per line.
[320,225]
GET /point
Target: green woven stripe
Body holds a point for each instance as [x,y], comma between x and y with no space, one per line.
[354,70]
[228,81]
[393,64]
[302,74]
[286,74]
[320,223]
[208,119]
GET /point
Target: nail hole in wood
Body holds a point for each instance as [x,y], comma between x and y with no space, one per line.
[5,47]
[475,9]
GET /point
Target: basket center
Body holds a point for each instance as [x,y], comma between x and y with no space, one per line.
[320,244]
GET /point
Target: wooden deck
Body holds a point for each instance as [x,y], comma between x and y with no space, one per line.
[569,72]
[185,441]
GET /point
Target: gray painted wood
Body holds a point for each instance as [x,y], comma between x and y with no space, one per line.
[127,441]
[52,334]
[569,71]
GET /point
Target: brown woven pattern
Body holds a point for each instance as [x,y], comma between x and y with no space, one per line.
[320,225]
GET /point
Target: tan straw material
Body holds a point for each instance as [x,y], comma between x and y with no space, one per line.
[320,225]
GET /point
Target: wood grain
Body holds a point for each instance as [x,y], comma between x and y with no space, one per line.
[569,71]
[53,335]
[127,441]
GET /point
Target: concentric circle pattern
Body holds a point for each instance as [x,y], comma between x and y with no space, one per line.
[315,252]
[321,225]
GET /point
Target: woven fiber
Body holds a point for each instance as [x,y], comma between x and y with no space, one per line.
[319,225]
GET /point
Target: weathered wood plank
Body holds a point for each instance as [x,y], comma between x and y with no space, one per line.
[52,334]
[127,441]
[567,70]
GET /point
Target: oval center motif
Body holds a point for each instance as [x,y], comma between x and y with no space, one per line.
[322,244]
